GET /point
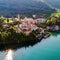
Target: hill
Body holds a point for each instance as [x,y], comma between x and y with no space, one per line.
[24,7]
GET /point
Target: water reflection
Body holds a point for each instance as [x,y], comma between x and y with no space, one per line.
[9,55]
[16,46]
[55,34]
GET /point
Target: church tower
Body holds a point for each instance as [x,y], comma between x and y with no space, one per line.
[18,17]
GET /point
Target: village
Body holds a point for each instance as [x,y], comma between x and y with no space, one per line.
[26,24]
[27,29]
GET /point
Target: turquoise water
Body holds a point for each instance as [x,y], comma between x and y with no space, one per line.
[47,49]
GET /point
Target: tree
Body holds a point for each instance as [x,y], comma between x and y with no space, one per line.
[49,22]
[1,23]
[54,20]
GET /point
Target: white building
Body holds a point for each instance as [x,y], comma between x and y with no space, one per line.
[40,20]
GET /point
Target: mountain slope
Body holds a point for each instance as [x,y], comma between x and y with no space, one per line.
[54,3]
[24,7]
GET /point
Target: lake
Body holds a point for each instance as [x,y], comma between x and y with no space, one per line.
[47,49]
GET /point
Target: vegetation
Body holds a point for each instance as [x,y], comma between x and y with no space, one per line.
[10,36]
[54,19]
